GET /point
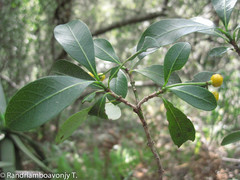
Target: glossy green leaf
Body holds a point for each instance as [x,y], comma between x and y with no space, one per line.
[3,103]
[218,51]
[105,51]
[231,138]
[168,31]
[98,108]
[150,42]
[26,151]
[156,74]
[224,9]
[118,84]
[71,124]
[212,28]
[180,127]
[42,100]
[90,97]
[176,58]
[113,111]
[64,67]
[196,96]
[149,45]
[7,154]
[203,76]
[114,72]
[77,41]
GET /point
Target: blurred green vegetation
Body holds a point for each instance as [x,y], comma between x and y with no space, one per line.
[103,149]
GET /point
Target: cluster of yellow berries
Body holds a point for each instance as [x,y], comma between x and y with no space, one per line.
[216,81]
[101,76]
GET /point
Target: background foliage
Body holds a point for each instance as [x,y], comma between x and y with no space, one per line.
[28,50]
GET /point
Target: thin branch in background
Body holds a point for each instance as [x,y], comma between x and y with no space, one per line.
[129,21]
[9,81]
[133,20]
[120,24]
[231,160]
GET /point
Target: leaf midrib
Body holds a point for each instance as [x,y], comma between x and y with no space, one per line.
[171,111]
[85,55]
[170,71]
[48,97]
[158,36]
[108,54]
[185,92]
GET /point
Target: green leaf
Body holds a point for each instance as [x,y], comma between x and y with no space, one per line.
[156,74]
[212,28]
[77,41]
[180,127]
[176,58]
[203,76]
[26,151]
[89,97]
[113,112]
[7,154]
[71,124]
[105,51]
[169,30]
[3,103]
[196,96]
[218,51]
[149,46]
[42,100]
[98,108]
[224,9]
[114,72]
[118,84]
[64,67]
[231,138]
[238,34]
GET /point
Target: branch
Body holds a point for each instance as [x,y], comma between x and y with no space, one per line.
[155,94]
[231,159]
[9,81]
[150,142]
[129,21]
[234,44]
[132,20]
[139,112]
[120,99]
[132,82]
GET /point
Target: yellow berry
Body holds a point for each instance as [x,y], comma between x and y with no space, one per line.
[91,74]
[217,80]
[216,95]
[102,76]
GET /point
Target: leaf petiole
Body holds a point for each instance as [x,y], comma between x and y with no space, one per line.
[186,84]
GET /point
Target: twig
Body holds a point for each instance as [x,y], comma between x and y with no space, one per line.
[9,81]
[231,159]
[129,21]
[120,99]
[150,142]
[132,82]
[234,44]
[155,94]
[138,111]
